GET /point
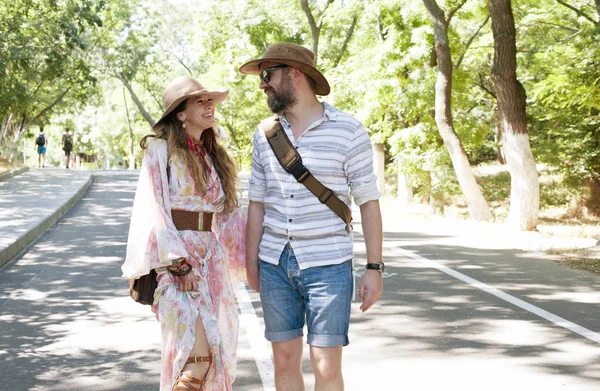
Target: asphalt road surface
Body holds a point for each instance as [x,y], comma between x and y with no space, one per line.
[455,315]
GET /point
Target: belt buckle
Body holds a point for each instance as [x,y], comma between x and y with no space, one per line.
[200,221]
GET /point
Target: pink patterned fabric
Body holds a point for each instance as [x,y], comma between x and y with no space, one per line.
[217,259]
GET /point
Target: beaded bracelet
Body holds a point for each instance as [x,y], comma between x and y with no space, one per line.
[180,268]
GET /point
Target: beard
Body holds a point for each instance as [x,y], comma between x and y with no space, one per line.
[284,99]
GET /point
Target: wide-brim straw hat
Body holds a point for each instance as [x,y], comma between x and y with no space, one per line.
[183,88]
[293,55]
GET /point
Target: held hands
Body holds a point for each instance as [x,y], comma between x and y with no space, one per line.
[371,288]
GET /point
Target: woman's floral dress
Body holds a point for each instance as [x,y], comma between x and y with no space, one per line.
[217,259]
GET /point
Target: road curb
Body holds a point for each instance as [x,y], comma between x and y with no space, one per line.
[13,173]
[32,235]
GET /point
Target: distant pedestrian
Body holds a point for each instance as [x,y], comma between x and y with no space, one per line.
[41,142]
[67,141]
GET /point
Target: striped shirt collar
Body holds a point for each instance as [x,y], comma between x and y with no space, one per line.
[329,114]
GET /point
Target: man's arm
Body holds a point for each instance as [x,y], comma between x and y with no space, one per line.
[371,285]
[254,232]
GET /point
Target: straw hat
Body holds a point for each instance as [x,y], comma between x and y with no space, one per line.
[183,88]
[293,55]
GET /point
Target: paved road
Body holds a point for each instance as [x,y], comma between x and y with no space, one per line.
[457,314]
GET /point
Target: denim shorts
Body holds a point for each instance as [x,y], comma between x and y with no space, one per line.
[321,296]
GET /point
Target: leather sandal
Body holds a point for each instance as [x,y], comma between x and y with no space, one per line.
[186,382]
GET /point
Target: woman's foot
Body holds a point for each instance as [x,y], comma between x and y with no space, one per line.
[193,375]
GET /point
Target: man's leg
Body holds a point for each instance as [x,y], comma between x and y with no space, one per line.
[327,367]
[39,160]
[283,312]
[288,365]
[328,320]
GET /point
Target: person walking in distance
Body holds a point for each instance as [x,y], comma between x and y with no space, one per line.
[67,142]
[187,224]
[296,243]
[41,142]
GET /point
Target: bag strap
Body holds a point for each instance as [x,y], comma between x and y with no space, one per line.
[291,162]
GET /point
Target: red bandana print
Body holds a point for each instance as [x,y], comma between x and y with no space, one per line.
[199,151]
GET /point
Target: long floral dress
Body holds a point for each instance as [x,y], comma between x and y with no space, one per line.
[217,259]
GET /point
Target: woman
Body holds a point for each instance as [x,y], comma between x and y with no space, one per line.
[187,225]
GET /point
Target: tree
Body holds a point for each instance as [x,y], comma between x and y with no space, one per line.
[478,207]
[43,61]
[524,191]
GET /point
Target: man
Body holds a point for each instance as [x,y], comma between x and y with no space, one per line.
[67,141]
[299,252]
[41,142]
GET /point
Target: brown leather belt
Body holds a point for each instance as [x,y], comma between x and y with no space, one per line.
[191,221]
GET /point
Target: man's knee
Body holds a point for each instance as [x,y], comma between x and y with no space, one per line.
[326,362]
[287,355]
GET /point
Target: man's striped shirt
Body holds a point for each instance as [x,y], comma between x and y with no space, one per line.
[337,151]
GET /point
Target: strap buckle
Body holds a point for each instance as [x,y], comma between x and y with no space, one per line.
[325,195]
[298,170]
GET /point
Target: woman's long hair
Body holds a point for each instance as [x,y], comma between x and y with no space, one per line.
[177,145]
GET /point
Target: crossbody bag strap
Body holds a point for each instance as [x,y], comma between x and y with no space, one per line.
[291,161]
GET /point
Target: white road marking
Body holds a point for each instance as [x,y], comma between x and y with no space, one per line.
[256,338]
[589,334]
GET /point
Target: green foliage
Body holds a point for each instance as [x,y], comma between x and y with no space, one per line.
[67,61]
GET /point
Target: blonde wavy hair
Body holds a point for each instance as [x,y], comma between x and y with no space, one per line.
[171,129]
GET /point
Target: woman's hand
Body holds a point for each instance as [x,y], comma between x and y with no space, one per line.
[187,282]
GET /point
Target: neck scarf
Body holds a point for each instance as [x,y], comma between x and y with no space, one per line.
[198,150]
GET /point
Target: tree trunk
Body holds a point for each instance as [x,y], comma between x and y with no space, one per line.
[498,142]
[137,102]
[525,188]
[593,202]
[478,207]
[131,150]
[379,166]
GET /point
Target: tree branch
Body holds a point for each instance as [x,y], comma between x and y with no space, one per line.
[470,41]
[453,11]
[49,107]
[323,13]
[483,87]
[313,25]
[383,34]
[345,44]
[136,100]
[578,11]
[571,29]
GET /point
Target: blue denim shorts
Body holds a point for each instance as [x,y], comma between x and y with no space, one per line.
[321,296]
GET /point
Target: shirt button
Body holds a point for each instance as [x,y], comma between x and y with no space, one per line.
[290,239]
[292,196]
[290,220]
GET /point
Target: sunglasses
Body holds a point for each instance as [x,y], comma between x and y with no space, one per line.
[265,75]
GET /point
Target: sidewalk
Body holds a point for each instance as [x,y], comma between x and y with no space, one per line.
[483,235]
[33,200]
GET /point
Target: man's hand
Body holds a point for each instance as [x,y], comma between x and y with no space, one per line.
[371,288]
[254,232]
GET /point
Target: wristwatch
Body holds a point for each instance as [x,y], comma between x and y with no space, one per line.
[376,266]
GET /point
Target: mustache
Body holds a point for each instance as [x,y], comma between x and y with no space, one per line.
[268,89]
